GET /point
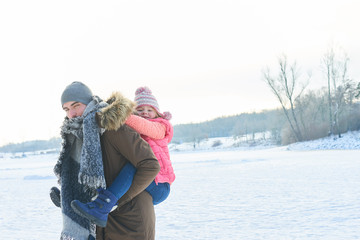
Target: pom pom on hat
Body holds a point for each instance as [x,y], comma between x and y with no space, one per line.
[144,97]
[143,90]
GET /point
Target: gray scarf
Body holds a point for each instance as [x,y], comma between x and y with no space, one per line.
[80,177]
[91,172]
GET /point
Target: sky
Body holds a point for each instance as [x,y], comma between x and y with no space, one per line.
[202,59]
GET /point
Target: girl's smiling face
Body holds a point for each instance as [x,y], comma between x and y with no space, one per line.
[146,112]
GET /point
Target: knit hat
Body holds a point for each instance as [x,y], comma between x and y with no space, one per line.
[77,92]
[144,97]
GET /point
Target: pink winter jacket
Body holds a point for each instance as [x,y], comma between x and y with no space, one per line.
[158,132]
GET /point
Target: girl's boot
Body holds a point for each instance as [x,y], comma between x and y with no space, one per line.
[98,210]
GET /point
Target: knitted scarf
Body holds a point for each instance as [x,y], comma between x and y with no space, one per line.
[80,177]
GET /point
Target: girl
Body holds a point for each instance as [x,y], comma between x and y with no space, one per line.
[155,128]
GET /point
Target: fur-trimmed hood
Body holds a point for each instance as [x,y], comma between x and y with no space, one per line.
[113,116]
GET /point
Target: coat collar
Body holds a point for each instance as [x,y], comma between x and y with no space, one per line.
[113,116]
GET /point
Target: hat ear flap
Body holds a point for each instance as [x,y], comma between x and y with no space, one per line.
[167,115]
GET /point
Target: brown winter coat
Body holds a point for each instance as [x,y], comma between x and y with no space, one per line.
[134,219]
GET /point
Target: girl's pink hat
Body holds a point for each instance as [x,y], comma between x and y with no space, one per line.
[144,97]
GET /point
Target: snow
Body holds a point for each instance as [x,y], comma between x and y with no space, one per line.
[307,190]
[350,140]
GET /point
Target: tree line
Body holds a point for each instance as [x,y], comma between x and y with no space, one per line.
[244,124]
[32,146]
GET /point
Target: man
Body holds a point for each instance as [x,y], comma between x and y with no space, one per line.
[96,146]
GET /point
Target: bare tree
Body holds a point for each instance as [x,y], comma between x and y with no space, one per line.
[328,62]
[341,88]
[287,88]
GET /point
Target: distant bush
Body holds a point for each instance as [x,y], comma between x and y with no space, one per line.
[216,143]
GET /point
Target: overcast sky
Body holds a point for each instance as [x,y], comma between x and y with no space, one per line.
[201,58]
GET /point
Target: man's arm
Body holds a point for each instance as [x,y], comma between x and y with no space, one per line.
[130,145]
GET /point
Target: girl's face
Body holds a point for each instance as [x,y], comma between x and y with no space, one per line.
[146,112]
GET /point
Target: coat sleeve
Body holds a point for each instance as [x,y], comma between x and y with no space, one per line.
[155,130]
[130,145]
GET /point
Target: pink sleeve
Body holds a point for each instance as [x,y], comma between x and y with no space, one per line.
[145,127]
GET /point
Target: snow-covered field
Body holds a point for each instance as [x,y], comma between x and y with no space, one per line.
[270,193]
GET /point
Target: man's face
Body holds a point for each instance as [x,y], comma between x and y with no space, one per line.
[74,109]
